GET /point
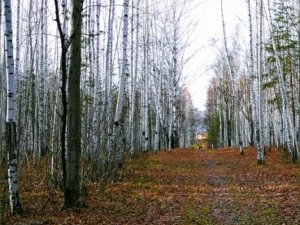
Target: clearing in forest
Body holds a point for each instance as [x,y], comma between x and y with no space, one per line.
[185,186]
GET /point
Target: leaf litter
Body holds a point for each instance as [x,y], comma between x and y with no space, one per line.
[185,186]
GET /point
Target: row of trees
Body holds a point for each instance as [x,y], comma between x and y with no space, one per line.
[91,80]
[254,96]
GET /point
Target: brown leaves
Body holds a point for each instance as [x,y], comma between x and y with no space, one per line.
[181,187]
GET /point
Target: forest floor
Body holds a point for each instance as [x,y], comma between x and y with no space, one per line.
[181,187]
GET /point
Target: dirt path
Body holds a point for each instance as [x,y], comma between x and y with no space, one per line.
[212,187]
[193,187]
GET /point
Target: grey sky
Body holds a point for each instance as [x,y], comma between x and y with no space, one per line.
[209,28]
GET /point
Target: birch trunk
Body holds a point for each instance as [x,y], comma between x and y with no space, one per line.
[170,120]
[254,97]
[230,133]
[158,115]
[2,195]
[46,72]
[118,128]
[97,132]
[145,91]
[2,202]
[13,188]
[124,66]
[134,75]
[261,153]
[173,80]
[41,113]
[108,82]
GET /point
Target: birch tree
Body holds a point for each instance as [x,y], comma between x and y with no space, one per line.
[120,98]
[2,202]
[255,85]
[269,79]
[108,104]
[11,135]
[134,75]
[119,114]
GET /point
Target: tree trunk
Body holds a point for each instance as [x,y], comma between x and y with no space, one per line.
[72,189]
[117,140]
[63,67]
[13,188]
[254,97]
[2,203]
[108,104]
[134,75]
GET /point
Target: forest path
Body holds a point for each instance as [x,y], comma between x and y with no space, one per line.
[209,187]
[188,187]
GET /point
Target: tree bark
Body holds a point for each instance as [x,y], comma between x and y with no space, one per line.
[72,189]
[13,188]
[254,97]
[63,67]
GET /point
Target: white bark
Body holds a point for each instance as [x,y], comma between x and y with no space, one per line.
[11,101]
[118,128]
[254,96]
[42,115]
[18,43]
[158,115]
[117,138]
[13,188]
[146,81]
[170,119]
[124,67]
[108,80]
[97,132]
[134,75]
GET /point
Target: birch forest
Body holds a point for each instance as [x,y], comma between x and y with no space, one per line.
[254,96]
[95,105]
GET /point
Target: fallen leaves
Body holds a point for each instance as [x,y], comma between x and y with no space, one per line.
[181,187]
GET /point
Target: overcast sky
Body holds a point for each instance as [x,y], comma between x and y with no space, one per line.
[209,28]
